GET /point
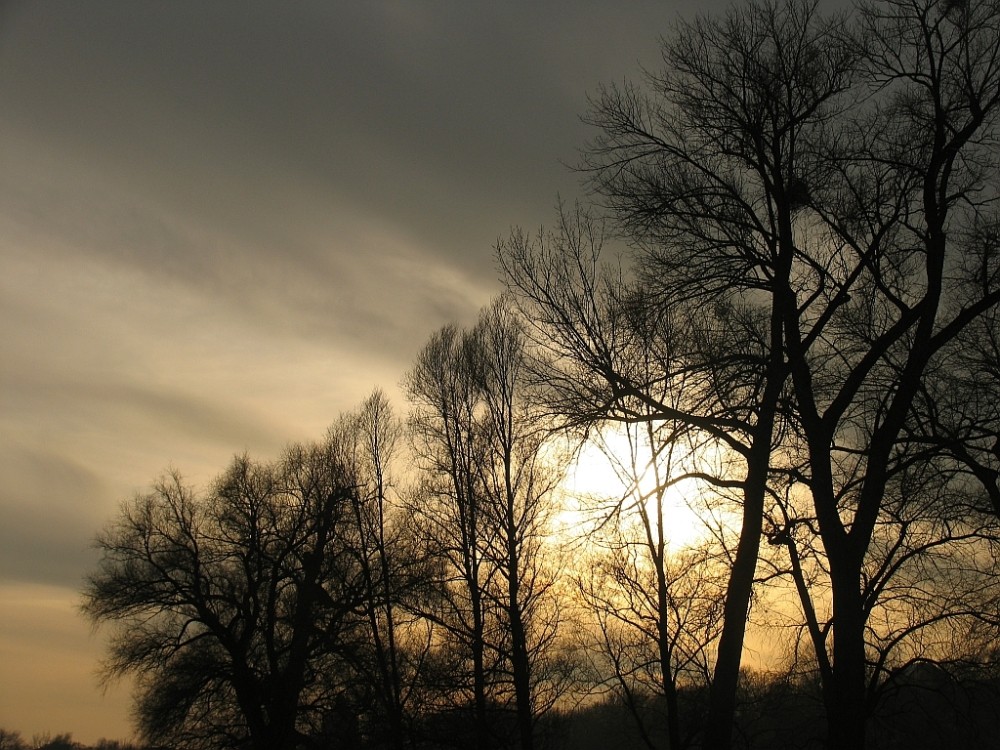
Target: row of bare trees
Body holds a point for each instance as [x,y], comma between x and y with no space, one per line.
[326,599]
[799,336]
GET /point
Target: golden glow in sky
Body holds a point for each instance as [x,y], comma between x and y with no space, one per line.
[617,470]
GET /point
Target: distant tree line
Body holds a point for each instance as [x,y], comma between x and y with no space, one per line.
[781,306]
[12,740]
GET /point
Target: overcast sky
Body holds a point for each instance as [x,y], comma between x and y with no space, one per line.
[222,224]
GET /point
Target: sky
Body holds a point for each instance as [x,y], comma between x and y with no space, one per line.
[224,223]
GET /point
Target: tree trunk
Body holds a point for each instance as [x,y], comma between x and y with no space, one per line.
[846,710]
[665,651]
[669,688]
[520,668]
[482,732]
[725,680]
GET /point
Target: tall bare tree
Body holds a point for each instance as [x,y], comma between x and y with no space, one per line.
[479,430]
[449,509]
[904,263]
[395,570]
[654,589]
[519,477]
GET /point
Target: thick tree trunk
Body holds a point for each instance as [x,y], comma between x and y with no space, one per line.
[725,681]
[846,710]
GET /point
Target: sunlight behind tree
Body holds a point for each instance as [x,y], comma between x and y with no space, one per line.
[615,471]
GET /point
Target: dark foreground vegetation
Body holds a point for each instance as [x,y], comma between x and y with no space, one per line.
[799,341]
[928,709]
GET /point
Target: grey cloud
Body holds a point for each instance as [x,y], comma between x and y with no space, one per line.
[334,275]
[49,503]
[449,118]
[328,172]
[54,504]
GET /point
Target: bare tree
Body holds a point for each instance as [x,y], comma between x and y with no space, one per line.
[519,478]
[905,268]
[394,569]
[703,172]
[479,431]
[449,508]
[233,608]
[654,589]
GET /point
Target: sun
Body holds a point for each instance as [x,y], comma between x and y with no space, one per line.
[619,472]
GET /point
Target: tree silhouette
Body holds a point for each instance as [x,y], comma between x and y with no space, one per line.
[394,569]
[449,511]
[234,609]
[480,432]
[656,601]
